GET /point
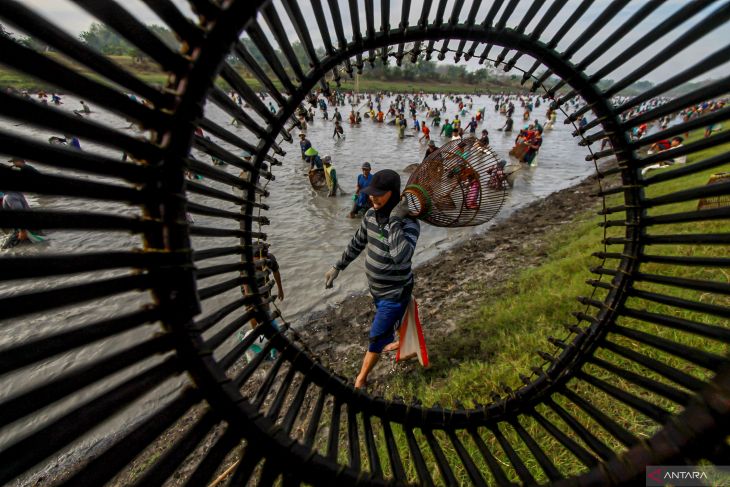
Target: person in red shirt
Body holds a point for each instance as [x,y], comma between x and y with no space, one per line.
[426,133]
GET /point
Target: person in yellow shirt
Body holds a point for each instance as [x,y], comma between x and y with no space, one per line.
[330,175]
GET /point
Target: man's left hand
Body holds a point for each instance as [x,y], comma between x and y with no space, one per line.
[401,209]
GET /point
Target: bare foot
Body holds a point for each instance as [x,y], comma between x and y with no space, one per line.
[360,383]
[391,347]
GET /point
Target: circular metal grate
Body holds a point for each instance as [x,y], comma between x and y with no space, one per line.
[178,295]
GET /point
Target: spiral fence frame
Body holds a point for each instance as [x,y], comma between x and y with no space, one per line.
[253,410]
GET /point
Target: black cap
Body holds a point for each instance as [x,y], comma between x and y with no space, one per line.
[383,181]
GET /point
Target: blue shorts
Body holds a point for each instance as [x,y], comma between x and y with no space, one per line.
[387,320]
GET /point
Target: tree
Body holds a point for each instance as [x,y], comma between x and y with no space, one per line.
[106,41]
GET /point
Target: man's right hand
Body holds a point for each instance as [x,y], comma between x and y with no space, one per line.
[330,277]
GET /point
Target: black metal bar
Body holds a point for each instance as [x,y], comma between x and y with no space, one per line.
[22,404]
[708,24]
[370,27]
[712,309]
[603,451]
[250,457]
[545,463]
[471,469]
[572,21]
[169,13]
[545,20]
[100,469]
[224,232]
[296,404]
[32,351]
[265,386]
[226,332]
[651,411]
[277,28]
[615,429]
[247,94]
[572,446]
[717,116]
[213,459]
[707,92]
[494,467]
[322,25]
[689,326]
[231,138]
[695,284]
[253,365]
[333,439]
[197,188]
[491,14]
[25,19]
[522,472]
[136,33]
[524,22]
[259,39]
[314,418]
[598,23]
[708,63]
[438,21]
[671,393]
[46,69]
[216,316]
[418,461]
[470,20]
[376,470]
[198,209]
[213,149]
[216,289]
[300,26]
[441,462]
[353,438]
[718,189]
[396,464]
[38,301]
[278,402]
[671,373]
[61,157]
[258,72]
[614,38]
[25,267]
[218,97]
[28,451]
[163,468]
[51,220]
[680,16]
[699,357]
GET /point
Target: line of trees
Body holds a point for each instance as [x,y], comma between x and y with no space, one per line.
[106,41]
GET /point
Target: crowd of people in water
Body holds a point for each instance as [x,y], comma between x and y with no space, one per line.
[420,115]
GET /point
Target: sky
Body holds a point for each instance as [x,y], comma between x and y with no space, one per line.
[74,20]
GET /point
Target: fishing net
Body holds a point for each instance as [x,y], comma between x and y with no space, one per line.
[461,184]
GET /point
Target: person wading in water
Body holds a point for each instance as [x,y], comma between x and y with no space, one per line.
[390,236]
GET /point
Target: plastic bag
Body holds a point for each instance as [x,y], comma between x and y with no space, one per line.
[412,341]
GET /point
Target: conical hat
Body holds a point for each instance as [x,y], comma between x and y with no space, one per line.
[311,152]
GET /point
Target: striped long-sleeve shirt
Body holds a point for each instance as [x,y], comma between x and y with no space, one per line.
[388,259]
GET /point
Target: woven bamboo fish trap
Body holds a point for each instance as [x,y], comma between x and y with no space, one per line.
[459,185]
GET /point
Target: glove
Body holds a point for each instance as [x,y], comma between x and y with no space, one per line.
[401,209]
[330,277]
